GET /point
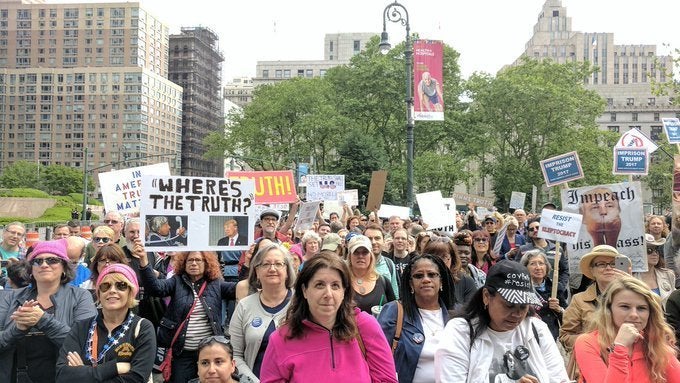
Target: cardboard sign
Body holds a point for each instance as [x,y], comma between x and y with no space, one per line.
[464,199]
[307,215]
[191,213]
[560,226]
[517,200]
[387,211]
[122,189]
[322,187]
[612,215]
[631,161]
[672,128]
[376,190]
[277,186]
[560,169]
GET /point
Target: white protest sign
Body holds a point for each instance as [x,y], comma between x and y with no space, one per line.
[517,200]
[351,197]
[450,209]
[560,226]
[324,187]
[387,211]
[121,189]
[307,215]
[635,139]
[483,212]
[192,213]
[433,211]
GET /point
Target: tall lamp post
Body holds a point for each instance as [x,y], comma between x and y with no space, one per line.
[397,13]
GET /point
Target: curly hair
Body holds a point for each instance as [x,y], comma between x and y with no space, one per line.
[659,337]
[212,266]
[345,327]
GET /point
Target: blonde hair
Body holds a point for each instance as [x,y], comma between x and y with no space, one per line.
[118,277]
[659,339]
[107,231]
[510,220]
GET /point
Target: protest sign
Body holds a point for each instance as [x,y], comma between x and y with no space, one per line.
[612,215]
[672,128]
[517,200]
[561,169]
[376,190]
[350,197]
[560,226]
[464,199]
[121,189]
[449,209]
[433,211]
[631,161]
[322,187]
[191,213]
[387,211]
[307,215]
[276,186]
[635,139]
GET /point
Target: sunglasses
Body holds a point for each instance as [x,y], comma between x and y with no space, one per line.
[49,260]
[533,228]
[106,286]
[101,239]
[481,240]
[420,276]
[652,249]
[214,338]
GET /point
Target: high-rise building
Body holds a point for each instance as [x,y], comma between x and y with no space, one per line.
[86,76]
[239,91]
[624,77]
[196,65]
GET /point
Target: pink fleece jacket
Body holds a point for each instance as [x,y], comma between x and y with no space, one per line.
[320,357]
[621,368]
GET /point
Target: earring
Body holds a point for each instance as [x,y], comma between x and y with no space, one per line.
[441,288]
[486,307]
[412,291]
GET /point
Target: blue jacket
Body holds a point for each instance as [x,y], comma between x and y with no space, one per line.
[180,290]
[505,247]
[408,351]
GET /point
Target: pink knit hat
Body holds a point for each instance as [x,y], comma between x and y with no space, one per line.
[120,268]
[57,248]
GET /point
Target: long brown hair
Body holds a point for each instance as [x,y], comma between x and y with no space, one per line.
[345,327]
[212,266]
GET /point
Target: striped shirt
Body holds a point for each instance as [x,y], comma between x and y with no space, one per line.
[198,327]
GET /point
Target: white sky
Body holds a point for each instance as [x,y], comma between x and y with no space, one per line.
[488,34]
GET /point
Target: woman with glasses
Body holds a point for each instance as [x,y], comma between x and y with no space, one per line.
[216,362]
[370,287]
[600,266]
[115,344]
[101,236]
[324,338]
[34,320]
[483,256]
[659,279]
[512,239]
[551,309]
[425,290]
[463,285]
[107,254]
[630,340]
[196,292]
[257,316]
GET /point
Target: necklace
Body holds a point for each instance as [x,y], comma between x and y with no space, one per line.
[431,317]
[359,281]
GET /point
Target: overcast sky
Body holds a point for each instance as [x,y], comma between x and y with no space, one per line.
[488,34]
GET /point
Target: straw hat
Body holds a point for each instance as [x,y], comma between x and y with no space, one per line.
[598,251]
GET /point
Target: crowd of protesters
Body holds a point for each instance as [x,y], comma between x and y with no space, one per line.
[357,298]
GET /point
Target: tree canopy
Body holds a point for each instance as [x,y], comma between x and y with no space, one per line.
[52,179]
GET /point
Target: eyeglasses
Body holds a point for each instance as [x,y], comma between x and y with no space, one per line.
[15,233]
[481,240]
[536,264]
[420,276]
[105,261]
[120,286]
[49,260]
[214,338]
[269,219]
[111,221]
[101,239]
[652,249]
[533,228]
[603,265]
[276,265]
[195,260]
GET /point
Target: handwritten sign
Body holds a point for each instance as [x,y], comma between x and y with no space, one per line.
[464,199]
[182,212]
[561,169]
[631,161]
[276,186]
[433,210]
[121,189]
[560,226]
[517,200]
[322,187]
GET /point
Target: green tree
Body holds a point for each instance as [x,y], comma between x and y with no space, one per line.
[21,174]
[531,112]
[660,176]
[62,180]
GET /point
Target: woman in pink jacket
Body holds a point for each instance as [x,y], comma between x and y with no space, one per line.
[630,341]
[323,336]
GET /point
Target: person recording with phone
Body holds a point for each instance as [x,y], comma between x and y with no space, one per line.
[659,279]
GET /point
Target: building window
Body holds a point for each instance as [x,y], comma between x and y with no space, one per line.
[656,117]
[651,101]
[612,117]
[655,132]
[330,47]
[265,73]
[322,72]
[279,73]
[309,73]
[301,73]
[613,128]
[610,101]
[630,101]
[556,13]
[634,117]
[357,45]
[286,73]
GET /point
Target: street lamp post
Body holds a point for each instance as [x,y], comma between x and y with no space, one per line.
[397,13]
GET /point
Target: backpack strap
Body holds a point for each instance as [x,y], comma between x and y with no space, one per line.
[400,325]
[538,338]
